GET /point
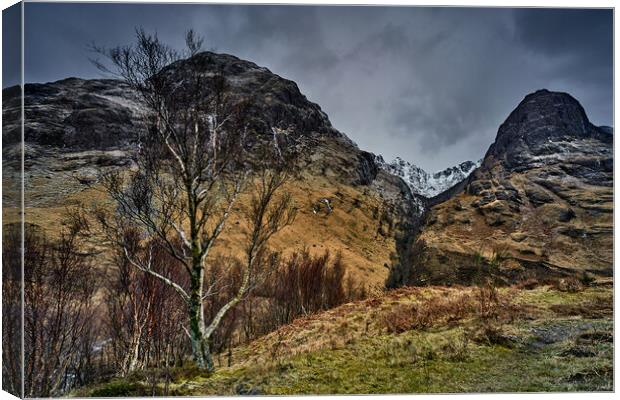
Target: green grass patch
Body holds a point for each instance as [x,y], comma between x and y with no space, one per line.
[117,388]
[424,362]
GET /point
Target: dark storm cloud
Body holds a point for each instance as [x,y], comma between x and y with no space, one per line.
[581,44]
[430,85]
[571,32]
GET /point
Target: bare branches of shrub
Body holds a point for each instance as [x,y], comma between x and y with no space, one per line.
[483,305]
[301,284]
[59,283]
[144,315]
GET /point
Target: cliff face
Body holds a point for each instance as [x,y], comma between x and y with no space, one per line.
[74,114]
[542,200]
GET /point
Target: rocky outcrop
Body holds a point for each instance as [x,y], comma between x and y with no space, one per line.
[275,102]
[74,114]
[549,128]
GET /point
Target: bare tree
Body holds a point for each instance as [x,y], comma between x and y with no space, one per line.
[194,163]
[143,319]
[12,321]
[58,289]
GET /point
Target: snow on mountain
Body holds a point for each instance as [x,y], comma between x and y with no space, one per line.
[424,183]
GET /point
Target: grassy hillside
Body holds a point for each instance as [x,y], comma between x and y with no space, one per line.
[417,340]
[358,226]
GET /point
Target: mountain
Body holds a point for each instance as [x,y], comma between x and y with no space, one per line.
[542,196]
[427,184]
[541,202]
[76,128]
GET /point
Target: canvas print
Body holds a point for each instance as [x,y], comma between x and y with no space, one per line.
[204,199]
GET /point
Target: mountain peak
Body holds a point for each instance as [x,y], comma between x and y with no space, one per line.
[275,102]
[424,183]
[544,195]
[226,64]
[540,122]
[102,113]
[549,113]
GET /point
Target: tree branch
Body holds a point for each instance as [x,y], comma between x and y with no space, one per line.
[148,270]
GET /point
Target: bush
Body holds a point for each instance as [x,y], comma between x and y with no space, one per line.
[569,284]
[301,285]
[492,334]
[493,311]
[305,284]
[456,350]
[400,319]
[499,255]
[492,307]
[586,279]
[428,313]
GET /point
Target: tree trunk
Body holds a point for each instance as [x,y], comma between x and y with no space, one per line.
[200,346]
[131,359]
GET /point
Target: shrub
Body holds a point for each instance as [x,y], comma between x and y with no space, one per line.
[144,316]
[494,307]
[492,334]
[301,285]
[487,302]
[569,284]
[400,319]
[498,256]
[59,317]
[304,284]
[492,312]
[586,279]
[428,313]
[456,350]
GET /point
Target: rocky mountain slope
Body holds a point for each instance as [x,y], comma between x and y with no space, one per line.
[424,183]
[541,202]
[76,128]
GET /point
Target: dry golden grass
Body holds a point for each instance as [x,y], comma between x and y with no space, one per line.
[351,229]
[392,312]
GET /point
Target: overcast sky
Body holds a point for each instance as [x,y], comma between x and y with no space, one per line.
[430,85]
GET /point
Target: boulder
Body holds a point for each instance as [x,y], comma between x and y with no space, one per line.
[566,214]
[537,195]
